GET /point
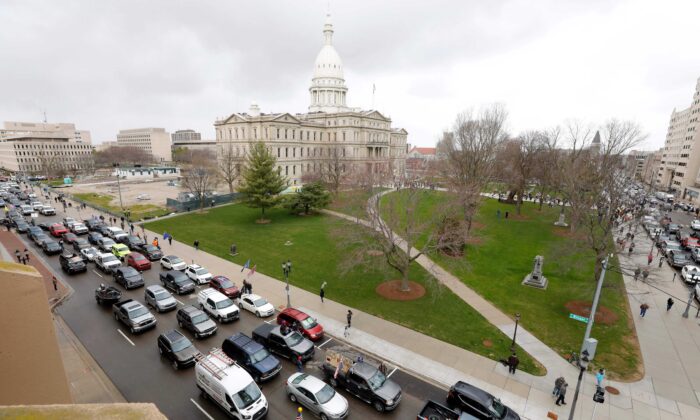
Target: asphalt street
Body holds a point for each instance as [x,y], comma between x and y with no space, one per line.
[135,367]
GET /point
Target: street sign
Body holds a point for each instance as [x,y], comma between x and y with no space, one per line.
[579,318]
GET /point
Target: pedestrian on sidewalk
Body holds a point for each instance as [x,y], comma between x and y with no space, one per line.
[661,261]
[170,239]
[631,248]
[18,255]
[322,293]
[562,394]
[557,385]
[513,363]
[599,377]
[196,245]
[24,261]
[55,283]
[643,309]
[26,254]
[155,242]
[674,277]
[669,304]
[632,237]
[645,274]
[637,272]
[131,228]
[349,317]
[300,365]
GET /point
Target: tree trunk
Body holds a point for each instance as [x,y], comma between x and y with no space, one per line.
[405,287]
[230,187]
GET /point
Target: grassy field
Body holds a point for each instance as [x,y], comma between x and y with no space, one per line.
[316,256]
[502,253]
[137,211]
[353,202]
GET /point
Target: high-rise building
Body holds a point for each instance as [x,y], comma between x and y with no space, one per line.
[67,130]
[186,136]
[49,154]
[680,160]
[304,144]
[155,141]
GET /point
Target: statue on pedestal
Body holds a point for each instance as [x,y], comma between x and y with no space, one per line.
[535,278]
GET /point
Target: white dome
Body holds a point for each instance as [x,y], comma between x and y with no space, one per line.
[328,63]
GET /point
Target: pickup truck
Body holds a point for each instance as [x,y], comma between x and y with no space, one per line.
[107,262]
[361,379]
[215,303]
[134,315]
[434,411]
[290,345]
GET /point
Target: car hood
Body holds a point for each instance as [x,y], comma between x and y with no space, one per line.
[167,301]
[134,279]
[267,364]
[178,266]
[337,405]
[111,263]
[143,318]
[511,415]
[389,390]
[187,354]
[304,346]
[204,326]
[315,331]
[156,254]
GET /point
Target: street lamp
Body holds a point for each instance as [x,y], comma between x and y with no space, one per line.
[583,365]
[515,332]
[286,269]
[119,186]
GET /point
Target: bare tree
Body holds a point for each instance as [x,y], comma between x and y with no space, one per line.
[124,155]
[229,165]
[470,151]
[519,158]
[200,178]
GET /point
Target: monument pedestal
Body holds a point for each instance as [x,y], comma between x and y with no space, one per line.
[561,221]
[536,279]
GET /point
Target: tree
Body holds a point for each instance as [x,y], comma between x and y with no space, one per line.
[125,155]
[519,158]
[229,165]
[313,195]
[200,178]
[262,183]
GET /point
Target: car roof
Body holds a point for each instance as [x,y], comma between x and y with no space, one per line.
[195,266]
[295,313]
[191,310]
[156,288]
[473,392]
[311,383]
[252,296]
[171,256]
[173,335]
[244,342]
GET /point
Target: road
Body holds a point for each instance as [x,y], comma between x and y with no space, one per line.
[133,364]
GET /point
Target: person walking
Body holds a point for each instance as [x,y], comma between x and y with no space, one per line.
[631,248]
[196,245]
[513,363]
[26,254]
[637,272]
[669,304]
[643,309]
[557,385]
[55,283]
[645,274]
[562,394]
[300,365]
[349,317]
[322,293]
[299,416]
[661,261]
[18,255]
[155,242]
[170,239]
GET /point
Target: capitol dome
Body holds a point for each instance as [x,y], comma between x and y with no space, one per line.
[328,89]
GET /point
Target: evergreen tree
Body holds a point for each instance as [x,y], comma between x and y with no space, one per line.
[261,182]
[313,195]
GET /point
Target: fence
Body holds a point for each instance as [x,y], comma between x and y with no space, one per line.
[195,203]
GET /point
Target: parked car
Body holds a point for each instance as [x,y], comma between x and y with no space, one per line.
[69,237]
[47,211]
[26,209]
[94,237]
[695,224]
[38,238]
[690,242]
[307,325]
[133,242]
[51,247]
[672,228]
[93,223]
[177,281]
[667,247]
[317,396]
[105,244]
[178,349]
[138,261]
[69,221]
[37,205]
[107,295]
[80,244]
[79,229]
[116,233]
[72,263]
[107,262]
[128,277]
[257,305]
[57,230]
[196,321]
[217,305]
[678,259]
[150,251]
[159,299]
[134,315]
[89,254]
[478,403]
[22,227]
[172,262]
[436,411]
[198,274]
[289,344]
[224,285]
[252,356]
[690,274]
[361,379]
[120,251]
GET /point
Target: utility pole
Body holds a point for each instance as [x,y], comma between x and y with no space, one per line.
[119,187]
[596,298]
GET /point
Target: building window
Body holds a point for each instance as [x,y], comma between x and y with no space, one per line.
[278,133]
[286,152]
[286,170]
[278,152]
[285,133]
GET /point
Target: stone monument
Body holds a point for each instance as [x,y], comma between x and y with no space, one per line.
[561,221]
[536,279]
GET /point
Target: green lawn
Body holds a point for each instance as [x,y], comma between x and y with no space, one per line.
[353,202]
[315,255]
[137,211]
[502,254]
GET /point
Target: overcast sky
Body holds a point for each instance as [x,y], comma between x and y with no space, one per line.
[110,65]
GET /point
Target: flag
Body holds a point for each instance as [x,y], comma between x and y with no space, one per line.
[247,264]
[253,270]
[374,88]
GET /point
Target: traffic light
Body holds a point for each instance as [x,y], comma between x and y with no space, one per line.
[599,396]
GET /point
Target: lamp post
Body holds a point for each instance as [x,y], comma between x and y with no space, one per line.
[286,269]
[515,332]
[119,186]
[583,365]
[690,301]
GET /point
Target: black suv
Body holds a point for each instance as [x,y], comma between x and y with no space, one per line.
[129,277]
[177,281]
[252,356]
[81,243]
[196,321]
[51,247]
[177,348]
[132,241]
[478,403]
[149,251]
[72,263]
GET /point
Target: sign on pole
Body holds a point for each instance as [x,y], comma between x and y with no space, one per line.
[579,318]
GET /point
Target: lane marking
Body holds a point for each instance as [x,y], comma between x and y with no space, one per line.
[326,342]
[97,273]
[202,410]
[269,321]
[126,338]
[391,373]
[179,302]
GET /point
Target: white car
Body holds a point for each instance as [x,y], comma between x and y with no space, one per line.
[37,205]
[317,396]
[198,274]
[69,221]
[89,253]
[47,211]
[107,262]
[172,262]
[690,274]
[695,224]
[256,304]
[79,229]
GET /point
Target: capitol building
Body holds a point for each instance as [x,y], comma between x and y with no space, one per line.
[356,140]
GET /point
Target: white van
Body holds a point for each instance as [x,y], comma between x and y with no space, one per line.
[220,379]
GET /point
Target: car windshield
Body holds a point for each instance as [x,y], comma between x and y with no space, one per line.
[259,355]
[308,323]
[498,408]
[75,260]
[224,303]
[175,260]
[260,302]
[198,319]
[226,283]
[201,271]
[150,248]
[140,311]
[181,344]
[53,245]
[377,380]
[108,242]
[325,394]
[246,396]
[293,339]
[109,258]
[161,294]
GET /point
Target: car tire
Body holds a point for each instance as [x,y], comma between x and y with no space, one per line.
[175,365]
[116,317]
[334,382]
[179,324]
[378,406]
[257,314]
[133,331]
[324,416]
[292,398]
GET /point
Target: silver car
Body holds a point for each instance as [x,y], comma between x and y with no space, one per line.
[317,396]
[160,299]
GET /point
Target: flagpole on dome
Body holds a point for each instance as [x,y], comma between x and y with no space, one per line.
[374,89]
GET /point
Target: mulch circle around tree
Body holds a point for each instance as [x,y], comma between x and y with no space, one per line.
[263,221]
[487,343]
[603,314]
[612,390]
[375,253]
[392,290]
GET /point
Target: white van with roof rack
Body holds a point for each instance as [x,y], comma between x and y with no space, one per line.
[220,379]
